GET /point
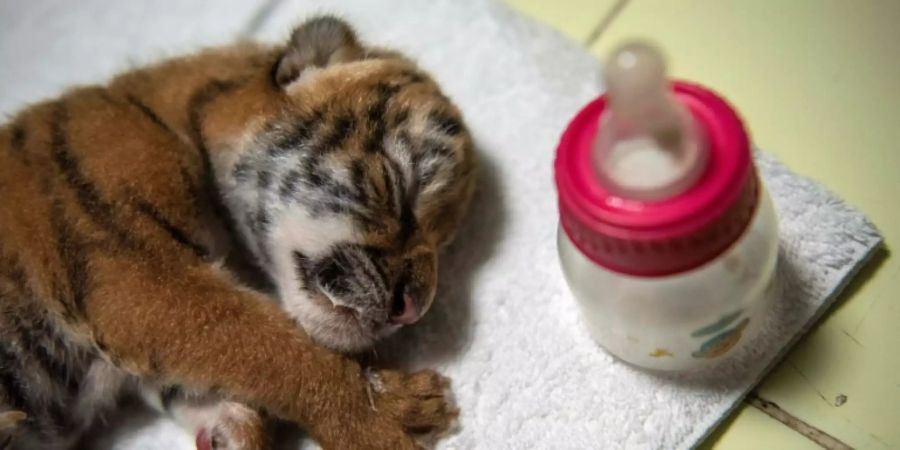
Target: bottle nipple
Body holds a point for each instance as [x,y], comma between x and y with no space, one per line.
[647,147]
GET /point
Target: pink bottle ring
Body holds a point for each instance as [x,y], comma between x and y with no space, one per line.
[656,238]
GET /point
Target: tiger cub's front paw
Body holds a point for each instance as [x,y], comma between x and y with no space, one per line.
[420,401]
[232,426]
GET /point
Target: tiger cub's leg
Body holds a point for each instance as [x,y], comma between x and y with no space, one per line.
[215,423]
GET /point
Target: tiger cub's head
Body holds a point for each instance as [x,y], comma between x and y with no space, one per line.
[353,189]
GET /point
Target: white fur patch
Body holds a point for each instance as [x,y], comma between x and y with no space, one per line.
[296,229]
[100,389]
[229,151]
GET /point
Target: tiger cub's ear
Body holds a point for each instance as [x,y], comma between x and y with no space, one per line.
[318,43]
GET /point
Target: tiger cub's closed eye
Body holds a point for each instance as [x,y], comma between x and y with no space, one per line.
[367,153]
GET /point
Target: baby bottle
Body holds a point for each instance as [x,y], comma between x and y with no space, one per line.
[668,239]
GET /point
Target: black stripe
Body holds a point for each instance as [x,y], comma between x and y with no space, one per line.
[313,173]
[168,394]
[358,180]
[12,270]
[433,148]
[171,229]
[303,266]
[335,188]
[262,220]
[288,186]
[17,141]
[241,171]
[397,304]
[399,185]
[149,113]
[74,260]
[407,223]
[427,175]
[301,132]
[388,181]
[86,192]
[367,264]
[376,255]
[314,178]
[412,77]
[438,154]
[263,179]
[378,109]
[197,103]
[401,118]
[11,372]
[343,127]
[406,217]
[376,119]
[191,185]
[37,336]
[363,276]
[58,293]
[333,207]
[366,219]
[446,123]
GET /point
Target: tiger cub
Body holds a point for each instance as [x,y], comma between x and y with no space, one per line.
[343,170]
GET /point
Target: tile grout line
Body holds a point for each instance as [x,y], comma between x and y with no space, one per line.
[259,18]
[604,23]
[812,433]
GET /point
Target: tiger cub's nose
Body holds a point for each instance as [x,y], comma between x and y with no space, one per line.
[404,310]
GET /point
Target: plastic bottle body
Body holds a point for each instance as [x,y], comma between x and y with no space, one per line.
[686,320]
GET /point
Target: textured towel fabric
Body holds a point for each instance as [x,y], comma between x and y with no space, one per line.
[505,328]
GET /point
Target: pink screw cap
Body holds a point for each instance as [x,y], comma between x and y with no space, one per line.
[685,220]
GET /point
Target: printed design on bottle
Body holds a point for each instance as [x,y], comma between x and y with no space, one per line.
[723,339]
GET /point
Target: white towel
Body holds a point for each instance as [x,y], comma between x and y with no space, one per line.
[505,327]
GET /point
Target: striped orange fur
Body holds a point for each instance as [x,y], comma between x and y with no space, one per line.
[118,204]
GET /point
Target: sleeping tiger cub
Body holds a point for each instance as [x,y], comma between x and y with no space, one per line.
[342,169]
